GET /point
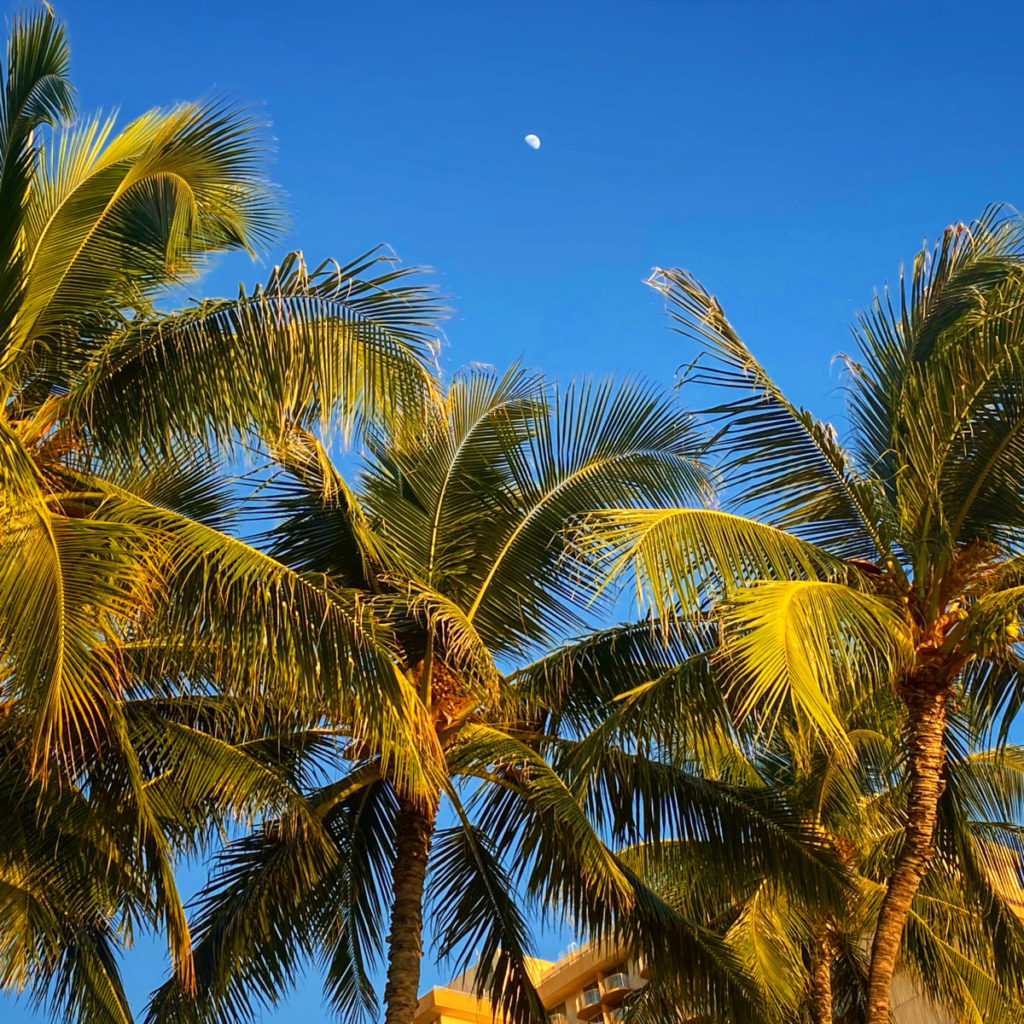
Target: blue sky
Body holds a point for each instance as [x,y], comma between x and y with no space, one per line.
[789,153]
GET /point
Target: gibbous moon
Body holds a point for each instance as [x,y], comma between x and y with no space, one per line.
[532,141]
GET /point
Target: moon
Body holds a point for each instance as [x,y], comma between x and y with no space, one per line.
[532,141]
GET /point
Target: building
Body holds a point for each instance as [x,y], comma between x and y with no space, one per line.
[587,986]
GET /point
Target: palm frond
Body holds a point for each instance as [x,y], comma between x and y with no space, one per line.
[946,968]
[118,216]
[686,557]
[786,466]
[770,937]
[742,826]
[298,887]
[546,805]
[803,643]
[575,687]
[600,445]
[478,916]
[36,92]
[87,983]
[291,633]
[247,948]
[898,334]
[363,828]
[343,344]
[75,582]
[319,524]
[435,497]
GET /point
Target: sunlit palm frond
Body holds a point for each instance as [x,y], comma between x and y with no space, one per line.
[289,633]
[36,92]
[436,497]
[478,507]
[687,557]
[342,344]
[117,216]
[770,938]
[961,448]
[788,467]
[600,445]
[947,967]
[454,638]
[202,780]
[20,477]
[900,332]
[76,582]
[803,643]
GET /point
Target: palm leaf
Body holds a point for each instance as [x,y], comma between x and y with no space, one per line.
[786,466]
[897,337]
[126,213]
[36,92]
[477,916]
[685,557]
[804,643]
[600,445]
[343,343]
[76,582]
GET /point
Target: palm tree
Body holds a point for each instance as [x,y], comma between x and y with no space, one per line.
[891,562]
[456,541]
[112,411]
[85,862]
[964,943]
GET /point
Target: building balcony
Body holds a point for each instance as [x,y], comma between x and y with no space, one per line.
[588,1005]
[614,1015]
[616,986]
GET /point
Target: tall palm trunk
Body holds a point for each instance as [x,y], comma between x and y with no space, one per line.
[822,957]
[926,756]
[414,828]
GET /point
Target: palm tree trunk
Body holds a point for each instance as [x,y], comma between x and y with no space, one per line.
[926,757]
[414,828]
[822,957]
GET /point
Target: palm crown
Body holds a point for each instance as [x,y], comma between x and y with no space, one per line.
[111,411]
[964,936]
[890,562]
[459,541]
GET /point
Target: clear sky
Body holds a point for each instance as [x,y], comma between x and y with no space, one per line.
[789,153]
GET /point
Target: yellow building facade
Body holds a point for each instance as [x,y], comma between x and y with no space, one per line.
[587,986]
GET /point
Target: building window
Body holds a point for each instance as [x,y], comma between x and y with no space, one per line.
[616,978]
